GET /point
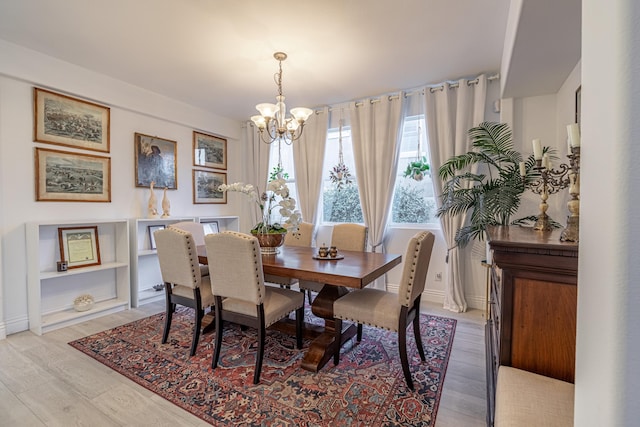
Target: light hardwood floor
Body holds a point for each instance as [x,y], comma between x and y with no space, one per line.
[45,382]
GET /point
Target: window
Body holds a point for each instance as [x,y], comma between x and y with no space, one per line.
[414,198]
[340,204]
[282,154]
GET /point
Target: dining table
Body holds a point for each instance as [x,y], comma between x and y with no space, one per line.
[349,270]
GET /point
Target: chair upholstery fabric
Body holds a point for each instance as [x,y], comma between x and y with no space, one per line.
[183,282]
[237,283]
[387,310]
[197,230]
[303,238]
[345,237]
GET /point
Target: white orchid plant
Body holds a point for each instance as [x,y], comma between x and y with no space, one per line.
[276,196]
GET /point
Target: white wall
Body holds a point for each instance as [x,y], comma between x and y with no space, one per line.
[132,110]
[608,333]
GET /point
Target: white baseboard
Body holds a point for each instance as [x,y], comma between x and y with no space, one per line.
[3,331]
[473,301]
[16,325]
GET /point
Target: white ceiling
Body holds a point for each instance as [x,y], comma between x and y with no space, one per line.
[217,54]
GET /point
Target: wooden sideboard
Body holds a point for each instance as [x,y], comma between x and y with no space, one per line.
[532,305]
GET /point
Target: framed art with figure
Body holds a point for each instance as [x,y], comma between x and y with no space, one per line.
[71,177]
[205,187]
[156,160]
[209,151]
[63,120]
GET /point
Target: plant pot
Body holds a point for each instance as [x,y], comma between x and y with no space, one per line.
[270,242]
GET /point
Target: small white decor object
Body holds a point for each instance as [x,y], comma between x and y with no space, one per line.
[152,205]
[166,205]
[83,302]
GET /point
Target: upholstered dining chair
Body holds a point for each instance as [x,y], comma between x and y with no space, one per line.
[237,283]
[183,282]
[197,230]
[303,237]
[345,237]
[387,310]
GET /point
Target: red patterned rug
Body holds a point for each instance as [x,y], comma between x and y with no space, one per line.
[366,389]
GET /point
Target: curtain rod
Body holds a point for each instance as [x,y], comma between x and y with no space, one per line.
[434,88]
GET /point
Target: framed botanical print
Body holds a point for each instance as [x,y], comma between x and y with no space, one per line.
[205,187]
[63,120]
[156,160]
[71,177]
[209,151]
[79,246]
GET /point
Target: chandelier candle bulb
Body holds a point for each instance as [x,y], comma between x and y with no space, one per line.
[537,149]
[573,130]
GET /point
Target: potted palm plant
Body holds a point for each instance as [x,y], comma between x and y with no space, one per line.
[493,193]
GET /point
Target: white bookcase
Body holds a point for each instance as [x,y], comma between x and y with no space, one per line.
[145,269]
[51,293]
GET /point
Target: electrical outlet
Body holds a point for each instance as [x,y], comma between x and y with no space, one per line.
[438,277]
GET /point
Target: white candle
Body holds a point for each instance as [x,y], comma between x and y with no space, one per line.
[546,161]
[523,171]
[573,130]
[537,149]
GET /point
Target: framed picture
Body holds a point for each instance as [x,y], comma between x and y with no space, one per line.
[211,227]
[79,246]
[152,238]
[205,187]
[63,120]
[156,160]
[72,177]
[578,104]
[209,151]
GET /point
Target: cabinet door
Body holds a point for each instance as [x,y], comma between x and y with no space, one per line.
[543,327]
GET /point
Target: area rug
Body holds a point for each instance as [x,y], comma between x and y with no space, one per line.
[367,388]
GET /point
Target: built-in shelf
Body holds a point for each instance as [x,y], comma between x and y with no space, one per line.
[145,269]
[51,293]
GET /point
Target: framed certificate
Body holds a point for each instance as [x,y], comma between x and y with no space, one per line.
[152,238]
[79,246]
[211,227]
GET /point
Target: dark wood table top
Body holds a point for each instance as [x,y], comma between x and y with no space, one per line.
[355,270]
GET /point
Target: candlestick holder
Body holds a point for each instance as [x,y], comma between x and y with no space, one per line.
[572,231]
[550,181]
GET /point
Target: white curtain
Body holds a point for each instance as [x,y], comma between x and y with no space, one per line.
[308,161]
[258,167]
[450,113]
[376,128]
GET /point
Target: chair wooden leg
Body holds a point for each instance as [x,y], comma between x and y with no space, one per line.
[338,340]
[416,330]
[309,296]
[299,326]
[219,325]
[169,313]
[196,330]
[199,312]
[359,332]
[402,348]
[260,355]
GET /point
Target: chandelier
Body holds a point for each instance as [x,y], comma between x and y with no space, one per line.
[273,123]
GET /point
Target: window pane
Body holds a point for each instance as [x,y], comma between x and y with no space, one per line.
[340,200]
[414,198]
[284,153]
